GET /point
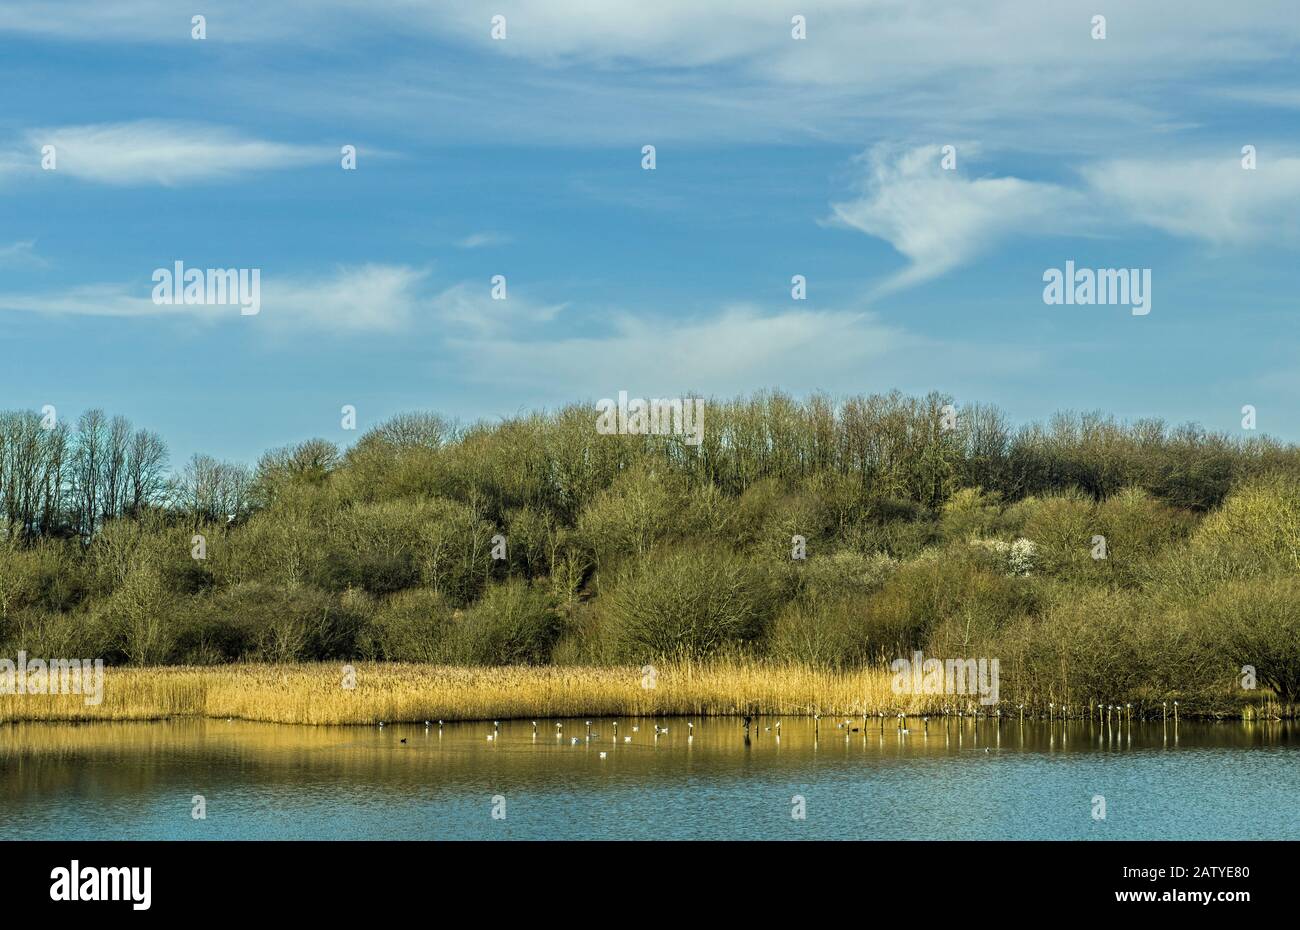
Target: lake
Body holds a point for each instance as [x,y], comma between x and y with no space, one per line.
[958,779]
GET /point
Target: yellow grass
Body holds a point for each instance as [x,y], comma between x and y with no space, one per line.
[315,693]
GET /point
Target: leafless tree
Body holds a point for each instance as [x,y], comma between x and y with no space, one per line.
[146,465]
[88,468]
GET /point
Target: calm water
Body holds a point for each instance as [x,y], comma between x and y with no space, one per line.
[1036,781]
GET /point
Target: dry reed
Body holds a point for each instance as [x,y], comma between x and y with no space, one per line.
[315,693]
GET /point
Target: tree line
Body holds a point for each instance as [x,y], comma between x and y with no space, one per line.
[926,525]
[66,482]
[62,481]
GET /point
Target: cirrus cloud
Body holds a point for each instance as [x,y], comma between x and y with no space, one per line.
[157,152]
[940,219]
[352,299]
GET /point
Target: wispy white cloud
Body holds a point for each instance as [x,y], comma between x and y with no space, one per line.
[22,254]
[874,41]
[12,163]
[1283,96]
[365,298]
[469,307]
[740,344]
[156,152]
[111,300]
[481,240]
[739,348]
[941,218]
[670,69]
[1212,199]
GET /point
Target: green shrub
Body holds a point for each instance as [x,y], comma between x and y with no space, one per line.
[970,514]
[46,577]
[265,622]
[139,619]
[1138,529]
[1257,623]
[948,603]
[1106,644]
[1256,532]
[1061,526]
[827,633]
[767,517]
[688,602]
[411,626]
[514,623]
[637,511]
[60,635]
[839,575]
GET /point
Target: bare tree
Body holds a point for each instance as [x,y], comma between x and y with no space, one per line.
[146,464]
[113,492]
[211,491]
[53,516]
[88,467]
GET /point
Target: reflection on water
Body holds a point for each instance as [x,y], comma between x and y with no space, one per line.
[942,779]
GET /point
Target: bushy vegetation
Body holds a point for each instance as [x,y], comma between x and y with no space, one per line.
[1096,559]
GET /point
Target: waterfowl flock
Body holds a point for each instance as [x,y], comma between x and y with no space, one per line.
[1103,713]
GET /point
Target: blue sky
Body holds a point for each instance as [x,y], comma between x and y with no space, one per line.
[522,157]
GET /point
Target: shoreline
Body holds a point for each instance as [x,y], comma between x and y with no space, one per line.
[323,694]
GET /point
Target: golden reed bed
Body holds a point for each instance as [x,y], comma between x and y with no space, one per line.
[316,693]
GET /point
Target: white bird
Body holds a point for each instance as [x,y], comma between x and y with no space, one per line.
[603,754]
[627,739]
[573,741]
